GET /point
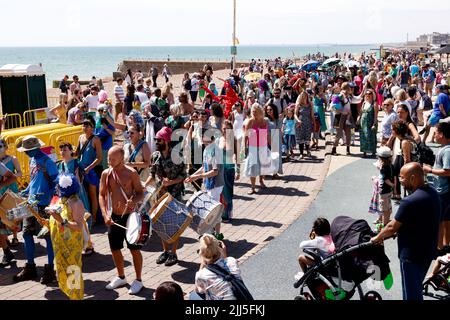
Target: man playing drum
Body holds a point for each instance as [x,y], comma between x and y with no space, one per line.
[170,176]
[120,191]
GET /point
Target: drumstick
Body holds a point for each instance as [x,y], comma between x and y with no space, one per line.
[196,184]
[119,225]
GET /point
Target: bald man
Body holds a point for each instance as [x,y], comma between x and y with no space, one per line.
[417,225]
[123,185]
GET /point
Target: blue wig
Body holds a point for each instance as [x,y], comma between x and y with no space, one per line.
[67,184]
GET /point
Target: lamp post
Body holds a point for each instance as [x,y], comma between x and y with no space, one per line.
[233,50]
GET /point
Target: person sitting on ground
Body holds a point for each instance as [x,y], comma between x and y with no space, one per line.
[169,291]
[209,285]
[320,242]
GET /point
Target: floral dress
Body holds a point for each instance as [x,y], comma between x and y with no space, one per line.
[68,247]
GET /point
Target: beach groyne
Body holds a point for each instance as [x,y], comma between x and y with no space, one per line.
[175,67]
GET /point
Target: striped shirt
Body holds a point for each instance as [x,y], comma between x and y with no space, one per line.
[119,92]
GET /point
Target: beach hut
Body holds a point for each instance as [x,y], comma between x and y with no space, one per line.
[22,88]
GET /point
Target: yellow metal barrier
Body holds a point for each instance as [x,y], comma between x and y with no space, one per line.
[12,120]
[70,138]
[36,116]
[70,135]
[12,135]
[47,133]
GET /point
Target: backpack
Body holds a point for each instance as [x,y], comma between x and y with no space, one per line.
[240,291]
[426,155]
[188,85]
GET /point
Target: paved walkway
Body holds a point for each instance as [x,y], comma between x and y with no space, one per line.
[258,219]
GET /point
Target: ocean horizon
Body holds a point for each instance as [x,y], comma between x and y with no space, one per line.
[102,61]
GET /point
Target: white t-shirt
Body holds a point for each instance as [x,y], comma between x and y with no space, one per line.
[120,91]
[142,97]
[92,102]
[324,245]
[195,84]
[214,286]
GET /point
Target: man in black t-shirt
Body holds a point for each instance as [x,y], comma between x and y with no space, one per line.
[417,226]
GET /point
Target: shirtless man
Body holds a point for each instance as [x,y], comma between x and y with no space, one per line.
[116,181]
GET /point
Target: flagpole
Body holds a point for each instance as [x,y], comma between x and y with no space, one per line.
[234,33]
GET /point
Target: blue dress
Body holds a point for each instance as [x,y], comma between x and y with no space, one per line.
[88,156]
[72,167]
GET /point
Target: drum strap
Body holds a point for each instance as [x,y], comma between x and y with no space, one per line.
[116,179]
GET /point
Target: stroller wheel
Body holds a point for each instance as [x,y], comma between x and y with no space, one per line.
[305,297]
[372,296]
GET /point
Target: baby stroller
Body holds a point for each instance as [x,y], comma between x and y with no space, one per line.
[440,282]
[340,275]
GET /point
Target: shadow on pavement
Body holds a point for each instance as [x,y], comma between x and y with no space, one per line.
[239,248]
[291,178]
[240,222]
[100,263]
[188,274]
[288,192]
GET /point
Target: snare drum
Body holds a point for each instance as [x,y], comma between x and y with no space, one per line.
[139,228]
[9,200]
[17,214]
[206,212]
[170,218]
[150,198]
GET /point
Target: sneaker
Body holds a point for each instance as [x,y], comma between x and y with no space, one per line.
[171,260]
[116,283]
[136,286]
[299,275]
[163,257]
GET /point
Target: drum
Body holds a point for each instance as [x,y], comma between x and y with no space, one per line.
[170,218]
[139,228]
[206,212]
[9,200]
[17,214]
[150,198]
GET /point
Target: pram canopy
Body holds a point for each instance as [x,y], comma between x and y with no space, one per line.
[365,262]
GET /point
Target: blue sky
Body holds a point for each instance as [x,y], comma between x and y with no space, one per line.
[207,22]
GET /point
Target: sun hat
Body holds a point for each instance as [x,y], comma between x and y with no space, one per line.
[384,152]
[29,143]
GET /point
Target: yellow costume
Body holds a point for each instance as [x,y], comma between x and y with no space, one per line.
[68,247]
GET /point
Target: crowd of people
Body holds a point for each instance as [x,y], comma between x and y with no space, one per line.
[209,136]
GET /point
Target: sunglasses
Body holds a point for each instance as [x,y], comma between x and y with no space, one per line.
[158,140]
[131,132]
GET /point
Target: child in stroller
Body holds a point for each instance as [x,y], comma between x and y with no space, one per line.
[320,242]
[439,278]
[339,276]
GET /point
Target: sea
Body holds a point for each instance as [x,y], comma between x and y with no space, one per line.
[103,61]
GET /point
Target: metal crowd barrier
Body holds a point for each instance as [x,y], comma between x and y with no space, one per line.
[12,121]
[36,116]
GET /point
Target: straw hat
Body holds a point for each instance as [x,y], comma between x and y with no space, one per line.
[29,143]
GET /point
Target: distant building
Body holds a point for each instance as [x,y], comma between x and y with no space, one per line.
[434,39]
